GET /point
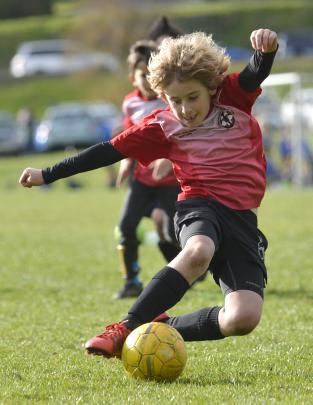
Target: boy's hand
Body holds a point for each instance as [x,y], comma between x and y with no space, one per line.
[31,177]
[161,168]
[264,40]
[124,171]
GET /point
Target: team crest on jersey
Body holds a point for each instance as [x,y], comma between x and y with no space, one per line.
[226,119]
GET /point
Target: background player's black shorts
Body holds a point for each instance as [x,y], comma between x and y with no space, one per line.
[238,262]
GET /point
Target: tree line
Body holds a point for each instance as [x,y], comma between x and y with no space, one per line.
[18,8]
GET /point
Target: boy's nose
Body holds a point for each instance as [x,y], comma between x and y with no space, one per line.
[185,109]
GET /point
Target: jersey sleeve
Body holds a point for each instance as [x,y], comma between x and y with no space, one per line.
[127,122]
[242,89]
[231,92]
[144,142]
[257,70]
[99,155]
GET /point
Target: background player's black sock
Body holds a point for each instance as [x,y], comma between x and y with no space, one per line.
[199,325]
[164,291]
[169,250]
[129,262]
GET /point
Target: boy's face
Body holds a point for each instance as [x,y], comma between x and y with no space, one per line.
[189,101]
[139,80]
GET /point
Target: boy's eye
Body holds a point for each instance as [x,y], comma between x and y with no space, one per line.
[192,98]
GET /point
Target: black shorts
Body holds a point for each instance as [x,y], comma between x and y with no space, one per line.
[238,261]
[140,201]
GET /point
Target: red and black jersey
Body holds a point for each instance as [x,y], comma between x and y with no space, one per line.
[222,159]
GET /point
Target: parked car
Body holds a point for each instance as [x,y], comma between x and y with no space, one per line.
[108,115]
[302,102]
[67,125]
[12,138]
[55,57]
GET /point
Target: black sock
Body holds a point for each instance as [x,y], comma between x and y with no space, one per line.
[129,261]
[199,325]
[164,291]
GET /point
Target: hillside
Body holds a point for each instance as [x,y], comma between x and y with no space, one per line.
[230,21]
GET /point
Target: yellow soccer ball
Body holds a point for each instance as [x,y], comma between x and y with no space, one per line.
[154,351]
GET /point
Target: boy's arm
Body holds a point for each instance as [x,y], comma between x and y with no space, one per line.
[265,43]
[99,155]
[124,171]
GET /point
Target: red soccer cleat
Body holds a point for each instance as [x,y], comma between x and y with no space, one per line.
[110,342]
[162,317]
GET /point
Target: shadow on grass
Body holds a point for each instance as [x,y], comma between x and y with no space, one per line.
[7,290]
[205,381]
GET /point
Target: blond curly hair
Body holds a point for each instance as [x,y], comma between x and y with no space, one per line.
[191,56]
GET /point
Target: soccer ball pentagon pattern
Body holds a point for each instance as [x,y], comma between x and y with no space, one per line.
[154,351]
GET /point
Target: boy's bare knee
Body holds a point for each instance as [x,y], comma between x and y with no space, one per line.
[200,250]
[237,324]
[199,254]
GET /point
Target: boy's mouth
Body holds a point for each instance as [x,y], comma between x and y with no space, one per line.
[190,120]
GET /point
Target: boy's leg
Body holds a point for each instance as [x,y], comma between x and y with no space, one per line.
[162,293]
[168,245]
[241,279]
[170,284]
[167,287]
[137,200]
[199,325]
[240,315]
[168,249]
[164,290]
[238,268]
[241,273]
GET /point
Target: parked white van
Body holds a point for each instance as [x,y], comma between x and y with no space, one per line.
[55,57]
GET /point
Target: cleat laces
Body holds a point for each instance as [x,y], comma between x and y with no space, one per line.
[113,329]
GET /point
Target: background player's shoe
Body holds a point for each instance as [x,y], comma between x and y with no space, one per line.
[130,290]
[110,342]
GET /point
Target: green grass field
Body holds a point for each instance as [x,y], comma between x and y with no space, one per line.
[59,269]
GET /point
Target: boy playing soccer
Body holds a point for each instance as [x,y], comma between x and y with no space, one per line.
[215,145]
